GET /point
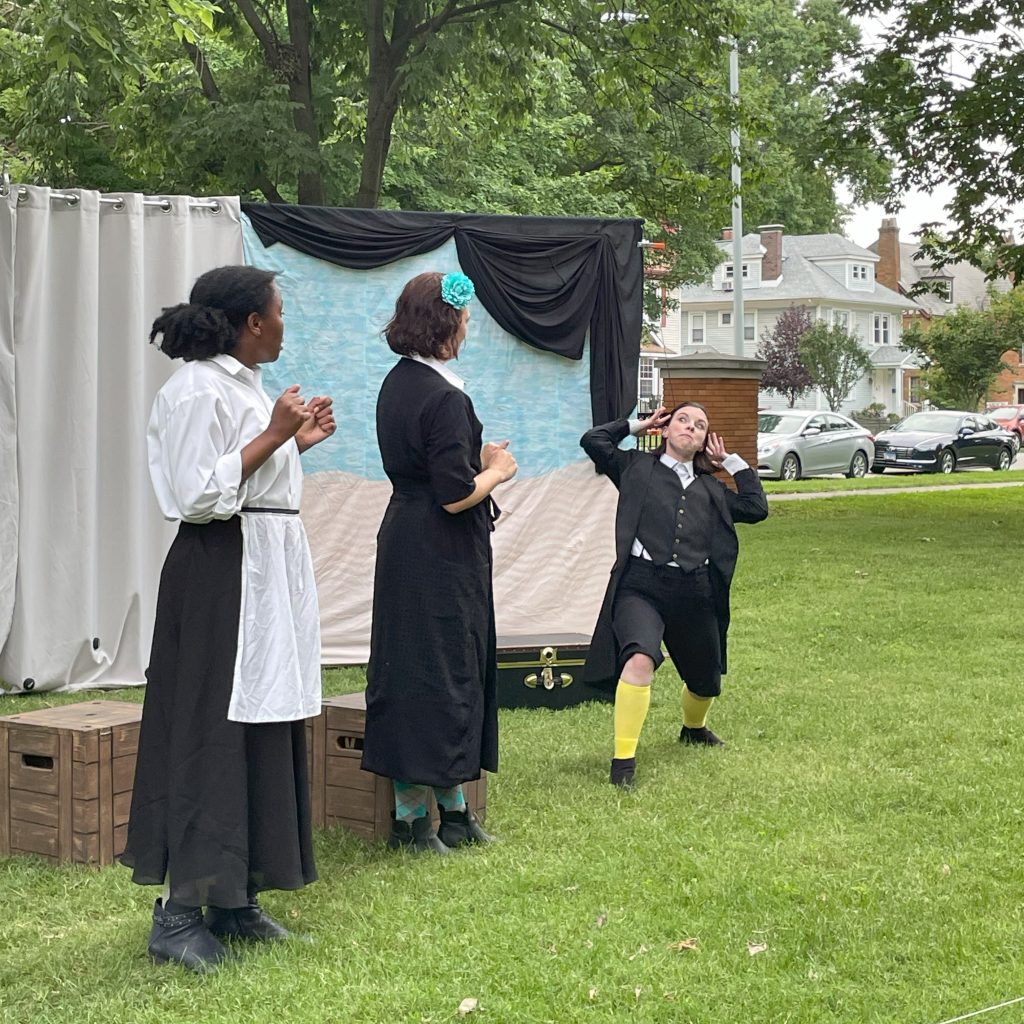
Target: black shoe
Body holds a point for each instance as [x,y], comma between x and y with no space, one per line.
[623,772]
[184,939]
[249,922]
[419,837]
[699,737]
[460,827]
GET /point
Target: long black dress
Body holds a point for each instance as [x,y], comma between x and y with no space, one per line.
[431,696]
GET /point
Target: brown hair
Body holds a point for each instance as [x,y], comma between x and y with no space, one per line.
[701,461]
[423,324]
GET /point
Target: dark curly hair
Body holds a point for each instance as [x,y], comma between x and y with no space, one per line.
[423,324]
[701,461]
[219,304]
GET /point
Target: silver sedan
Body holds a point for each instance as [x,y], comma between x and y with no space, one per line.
[793,443]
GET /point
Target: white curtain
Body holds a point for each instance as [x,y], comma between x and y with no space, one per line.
[80,284]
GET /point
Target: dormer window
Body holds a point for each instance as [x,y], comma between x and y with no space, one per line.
[729,271]
[941,287]
[860,272]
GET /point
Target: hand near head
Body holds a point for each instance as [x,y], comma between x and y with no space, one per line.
[716,450]
[496,456]
[319,426]
[656,420]
[289,414]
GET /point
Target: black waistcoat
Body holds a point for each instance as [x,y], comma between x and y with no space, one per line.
[675,524]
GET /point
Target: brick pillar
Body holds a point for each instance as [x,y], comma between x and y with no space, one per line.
[727,386]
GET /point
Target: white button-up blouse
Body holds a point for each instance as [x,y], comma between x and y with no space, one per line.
[202,418]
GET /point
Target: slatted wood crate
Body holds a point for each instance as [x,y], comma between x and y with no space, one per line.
[66,776]
[349,797]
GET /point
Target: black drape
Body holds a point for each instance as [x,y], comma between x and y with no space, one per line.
[545,280]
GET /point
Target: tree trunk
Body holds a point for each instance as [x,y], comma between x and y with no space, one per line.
[380,117]
[300,92]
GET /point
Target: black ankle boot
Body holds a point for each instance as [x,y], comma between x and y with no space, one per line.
[623,772]
[460,827]
[184,939]
[249,922]
[419,837]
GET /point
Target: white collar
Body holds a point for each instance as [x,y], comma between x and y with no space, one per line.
[441,367]
[678,466]
[234,367]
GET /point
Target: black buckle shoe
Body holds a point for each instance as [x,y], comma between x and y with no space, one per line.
[623,773]
[418,837]
[184,939]
[460,827]
[249,922]
[699,737]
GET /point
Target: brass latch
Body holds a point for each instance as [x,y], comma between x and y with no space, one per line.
[547,677]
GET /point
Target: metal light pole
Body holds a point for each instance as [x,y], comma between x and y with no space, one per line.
[737,202]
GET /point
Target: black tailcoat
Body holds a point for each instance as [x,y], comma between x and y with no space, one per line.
[630,471]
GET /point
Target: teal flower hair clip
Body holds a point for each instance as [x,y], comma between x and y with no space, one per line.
[457,289]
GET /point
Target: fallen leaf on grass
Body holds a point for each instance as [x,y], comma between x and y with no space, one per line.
[637,992]
[926,540]
[468,1005]
[753,948]
[602,920]
[683,945]
[639,952]
[946,869]
[592,994]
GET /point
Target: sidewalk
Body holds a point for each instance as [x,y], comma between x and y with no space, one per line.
[876,491]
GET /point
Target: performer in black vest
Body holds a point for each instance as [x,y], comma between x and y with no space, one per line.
[675,553]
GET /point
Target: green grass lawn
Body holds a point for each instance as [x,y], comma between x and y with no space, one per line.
[863,826]
[889,480]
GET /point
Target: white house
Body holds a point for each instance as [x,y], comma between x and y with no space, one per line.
[829,274]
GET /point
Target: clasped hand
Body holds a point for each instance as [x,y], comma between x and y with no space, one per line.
[308,422]
[495,455]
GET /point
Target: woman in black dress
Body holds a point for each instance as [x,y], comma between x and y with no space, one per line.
[431,709]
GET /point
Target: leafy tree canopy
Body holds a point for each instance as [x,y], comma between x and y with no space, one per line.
[563,108]
[785,374]
[835,360]
[963,351]
[940,96]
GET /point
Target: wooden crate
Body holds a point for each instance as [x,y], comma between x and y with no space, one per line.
[350,797]
[66,776]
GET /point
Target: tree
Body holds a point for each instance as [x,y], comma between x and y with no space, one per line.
[963,351]
[835,361]
[941,96]
[785,374]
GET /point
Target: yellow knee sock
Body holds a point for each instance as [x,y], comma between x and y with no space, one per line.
[695,709]
[631,704]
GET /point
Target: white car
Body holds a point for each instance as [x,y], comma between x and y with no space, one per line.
[793,443]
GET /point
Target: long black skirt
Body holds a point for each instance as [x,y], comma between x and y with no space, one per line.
[220,809]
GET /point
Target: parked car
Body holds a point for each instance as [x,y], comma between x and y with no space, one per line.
[1010,417]
[941,441]
[793,443]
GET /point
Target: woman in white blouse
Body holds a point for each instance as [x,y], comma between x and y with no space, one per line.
[220,806]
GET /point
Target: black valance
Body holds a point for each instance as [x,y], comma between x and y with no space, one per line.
[545,280]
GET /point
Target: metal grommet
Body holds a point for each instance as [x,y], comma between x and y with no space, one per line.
[28,685]
[72,200]
[22,194]
[215,207]
[165,205]
[118,205]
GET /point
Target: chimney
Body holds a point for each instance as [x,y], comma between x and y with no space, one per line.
[771,242]
[887,273]
[726,234]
